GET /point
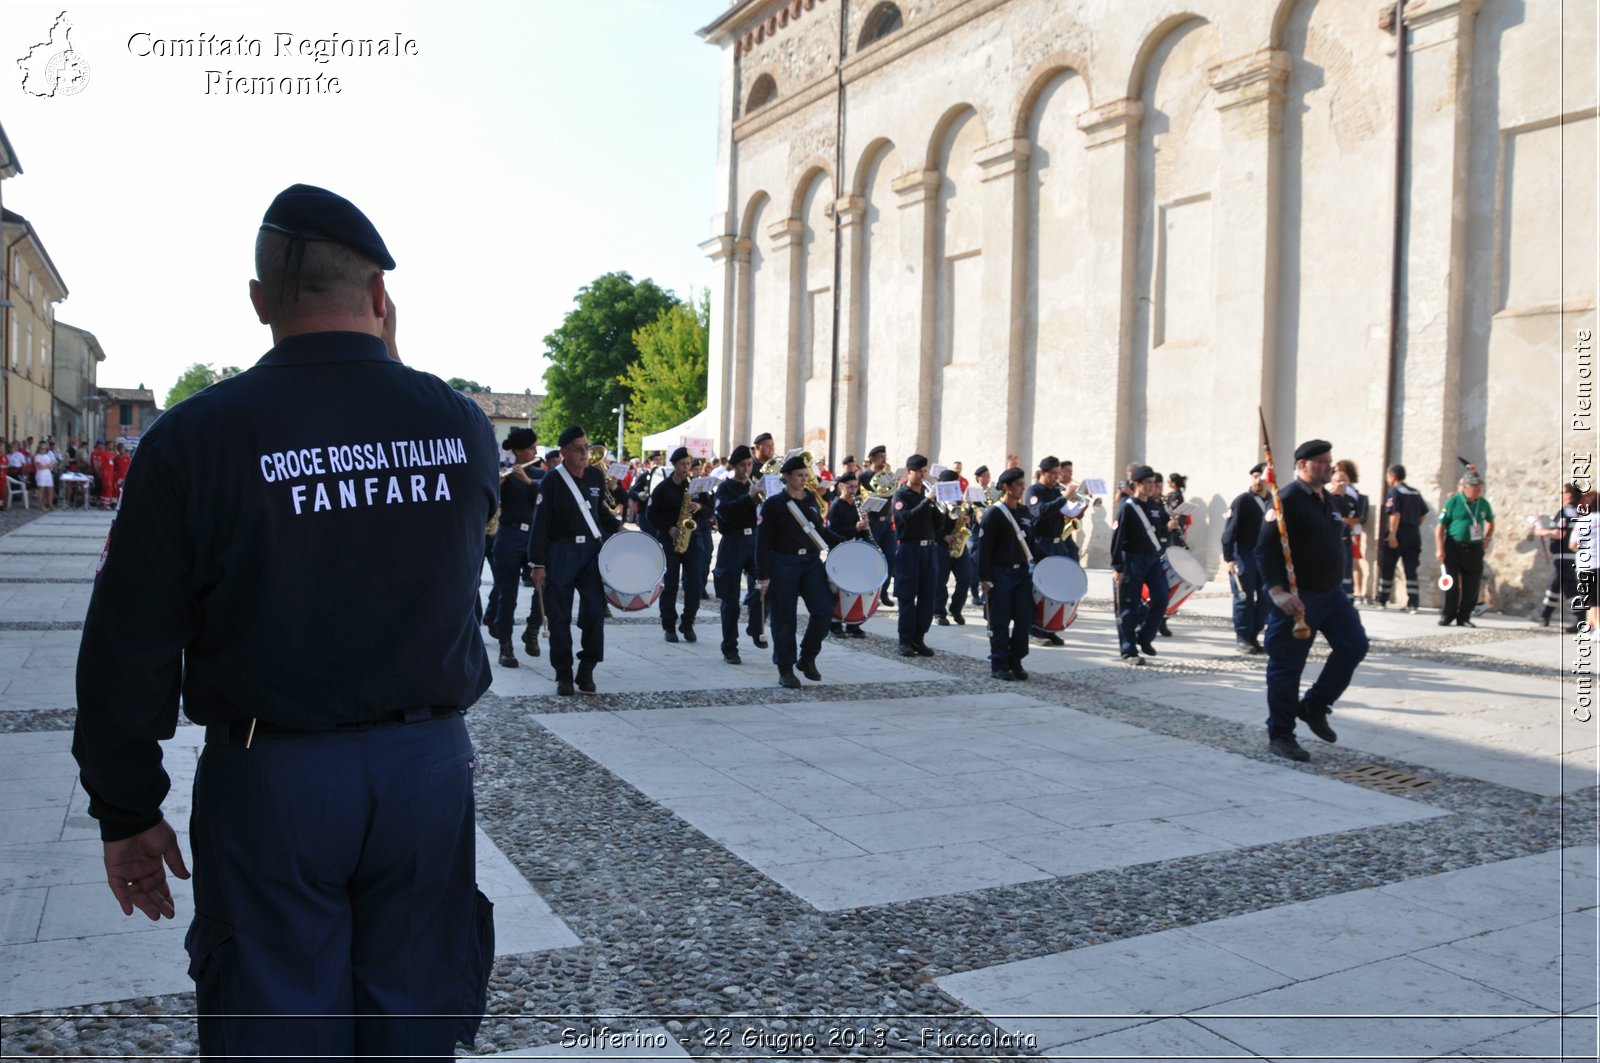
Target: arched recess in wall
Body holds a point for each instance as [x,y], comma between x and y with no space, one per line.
[813,291]
[1335,225]
[756,306]
[762,92]
[1055,291]
[886,307]
[880,22]
[1179,151]
[956,277]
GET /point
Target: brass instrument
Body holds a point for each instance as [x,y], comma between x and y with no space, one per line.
[686,523]
[883,484]
[813,484]
[598,457]
[963,532]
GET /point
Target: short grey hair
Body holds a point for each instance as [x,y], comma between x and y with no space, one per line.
[294,271]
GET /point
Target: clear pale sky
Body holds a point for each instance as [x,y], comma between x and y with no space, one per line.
[524,150]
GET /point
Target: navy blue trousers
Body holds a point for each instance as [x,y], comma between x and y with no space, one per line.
[1250,601]
[882,532]
[506,561]
[574,567]
[965,570]
[795,577]
[1407,554]
[1010,615]
[688,570]
[334,879]
[1140,570]
[736,556]
[916,584]
[1333,615]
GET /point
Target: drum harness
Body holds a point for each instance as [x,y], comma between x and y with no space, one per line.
[583,507]
[806,526]
[1022,540]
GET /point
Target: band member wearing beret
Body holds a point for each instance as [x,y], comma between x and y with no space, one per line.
[789,543]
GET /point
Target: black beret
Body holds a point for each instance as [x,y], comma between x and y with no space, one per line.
[848,459]
[949,475]
[794,464]
[1010,476]
[1048,462]
[916,461]
[313,213]
[982,469]
[552,456]
[1142,472]
[1311,448]
[764,437]
[678,455]
[1259,466]
[570,435]
[845,478]
[740,453]
[875,451]
[520,439]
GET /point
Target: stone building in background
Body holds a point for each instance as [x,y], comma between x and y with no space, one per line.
[78,413]
[33,287]
[1111,231]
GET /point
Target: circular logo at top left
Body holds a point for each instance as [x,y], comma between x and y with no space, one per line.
[66,73]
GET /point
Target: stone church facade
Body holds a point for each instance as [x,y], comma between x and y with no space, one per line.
[1110,231]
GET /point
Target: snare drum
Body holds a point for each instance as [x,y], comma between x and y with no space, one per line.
[1059,584]
[632,568]
[856,571]
[1185,575]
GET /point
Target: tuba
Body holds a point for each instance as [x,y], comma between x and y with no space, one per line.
[814,485]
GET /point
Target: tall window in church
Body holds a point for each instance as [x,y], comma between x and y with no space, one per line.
[763,92]
[882,21]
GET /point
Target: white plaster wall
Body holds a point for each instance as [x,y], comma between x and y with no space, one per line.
[888,306]
[964,373]
[815,278]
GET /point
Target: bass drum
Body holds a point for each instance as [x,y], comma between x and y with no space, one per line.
[856,571]
[633,568]
[1059,584]
[1185,575]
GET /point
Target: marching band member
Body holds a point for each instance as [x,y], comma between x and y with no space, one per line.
[1136,549]
[763,448]
[880,522]
[982,479]
[789,541]
[736,555]
[686,566]
[1003,564]
[1046,502]
[569,524]
[1239,537]
[919,530]
[519,489]
[961,567]
[845,521]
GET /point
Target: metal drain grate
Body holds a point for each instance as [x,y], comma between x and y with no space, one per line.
[1387,780]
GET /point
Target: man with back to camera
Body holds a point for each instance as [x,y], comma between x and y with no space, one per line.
[1403,511]
[269,528]
[1316,545]
[1239,537]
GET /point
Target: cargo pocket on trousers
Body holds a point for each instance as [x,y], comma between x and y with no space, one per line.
[480,951]
[209,943]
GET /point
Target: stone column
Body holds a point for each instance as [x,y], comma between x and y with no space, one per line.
[849,212]
[720,389]
[1004,166]
[782,384]
[740,399]
[919,198]
[1112,246]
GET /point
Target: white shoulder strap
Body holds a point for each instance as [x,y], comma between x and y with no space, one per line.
[805,525]
[1023,539]
[583,505]
[1155,540]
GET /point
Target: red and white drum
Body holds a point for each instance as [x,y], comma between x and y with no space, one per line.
[1059,584]
[632,568]
[856,571]
[1185,575]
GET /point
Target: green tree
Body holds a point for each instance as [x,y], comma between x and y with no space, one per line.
[197,377]
[668,382]
[591,351]
[471,387]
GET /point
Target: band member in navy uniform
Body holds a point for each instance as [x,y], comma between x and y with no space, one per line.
[919,530]
[948,604]
[1136,549]
[270,526]
[1004,573]
[686,567]
[1049,506]
[789,542]
[847,522]
[569,527]
[736,554]
[519,490]
[1239,537]
[880,522]
[1403,510]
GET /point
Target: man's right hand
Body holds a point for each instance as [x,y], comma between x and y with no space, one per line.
[1394,542]
[1289,603]
[1233,568]
[135,874]
[538,578]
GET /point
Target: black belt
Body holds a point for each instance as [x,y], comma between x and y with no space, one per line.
[242,732]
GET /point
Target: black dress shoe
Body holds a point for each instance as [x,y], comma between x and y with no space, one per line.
[586,679]
[732,657]
[1148,648]
[907,650]
[1466,623]
[530,641]
[564,686]
[922,649]
[788,679]
[508,656]
[1050,638]
[1445,621]
[1003,673]
[759,640]
[688,633]
[1132,658]
[1018,671]
[809,670]
[1286,746]
[1164,631]
[670,634]
[958,618]
[886,600]
[944,621]
[836,630]
[1316,718]
[854,631]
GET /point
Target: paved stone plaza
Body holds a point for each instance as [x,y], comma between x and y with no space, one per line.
[913,859]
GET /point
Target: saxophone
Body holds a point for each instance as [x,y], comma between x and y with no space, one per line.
[963,533]
[686,523]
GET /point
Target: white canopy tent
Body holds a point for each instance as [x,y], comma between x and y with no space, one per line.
[695,433]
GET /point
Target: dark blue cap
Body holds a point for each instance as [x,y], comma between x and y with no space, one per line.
[571,435]
[740,453]
[1312,448]
[794,464]
[948,475]
[312,213]
[520,439]
[916,461]
[678,455]
[1011,475]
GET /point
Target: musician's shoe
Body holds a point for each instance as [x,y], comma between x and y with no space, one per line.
[922,649]
[944,621]
[1148,648]
[564,685]
[1020,672]
[1446,621]
[1413,610]
[907,650]
[669,633]
[688,633]
[530,641]
[508,656]
[586,678]
[1003,673]
[1247,647]
[760,641]
[788,679]
[1465,622]
[1571,629]
[1132,658]
[854,631]
[1286,746]
[1050,638]
[886,600]
[958,618]
[836,630]
[809,670]
[732,657]
[1164,631]
[1316,718]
